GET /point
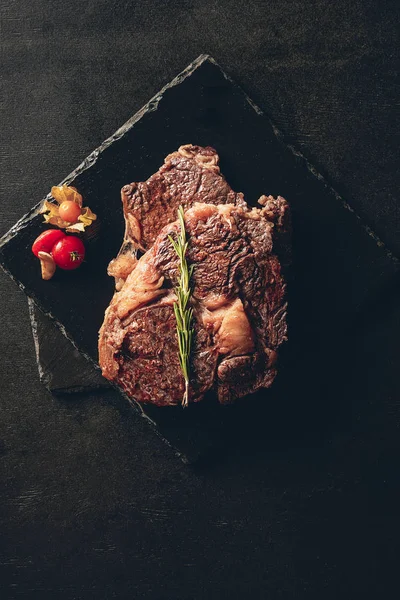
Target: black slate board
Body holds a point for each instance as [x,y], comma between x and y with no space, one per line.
[62,368]
[339,266]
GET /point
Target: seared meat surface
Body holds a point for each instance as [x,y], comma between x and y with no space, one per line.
[189,175]
[238,296]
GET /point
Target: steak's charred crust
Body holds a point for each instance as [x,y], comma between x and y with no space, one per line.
[189,175]
[238,293]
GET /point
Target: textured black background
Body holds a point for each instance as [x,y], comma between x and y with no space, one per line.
[95,506]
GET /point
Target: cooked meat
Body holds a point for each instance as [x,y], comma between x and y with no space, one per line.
[189,175]
[238,292]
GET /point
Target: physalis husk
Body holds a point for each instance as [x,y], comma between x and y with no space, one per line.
[66,193]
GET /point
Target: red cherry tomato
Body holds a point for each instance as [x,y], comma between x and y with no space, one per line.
[69,211]
[69,252]
[46,241]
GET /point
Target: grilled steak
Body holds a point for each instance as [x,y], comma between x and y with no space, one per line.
[238,292]
[189,175]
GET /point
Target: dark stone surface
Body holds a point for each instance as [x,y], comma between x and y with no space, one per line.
[94,505]
[200,105]
[62,368]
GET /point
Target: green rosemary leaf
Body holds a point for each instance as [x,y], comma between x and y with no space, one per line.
[183,313]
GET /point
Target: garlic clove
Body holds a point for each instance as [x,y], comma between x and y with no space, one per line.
[47,264]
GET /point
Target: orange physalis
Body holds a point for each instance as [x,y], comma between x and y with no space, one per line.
[63,194]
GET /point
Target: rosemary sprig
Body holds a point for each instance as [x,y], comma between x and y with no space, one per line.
[183,312]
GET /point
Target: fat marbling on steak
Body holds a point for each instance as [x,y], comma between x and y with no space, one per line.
[238,298]
[189,175]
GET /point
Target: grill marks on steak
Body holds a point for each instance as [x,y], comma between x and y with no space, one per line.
[238,301]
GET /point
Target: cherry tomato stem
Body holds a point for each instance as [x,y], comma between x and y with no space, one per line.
[69,252]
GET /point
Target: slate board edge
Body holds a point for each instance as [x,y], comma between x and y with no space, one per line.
[91,159]
[309,166]
[44,379]
[152,105]
[45,373]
